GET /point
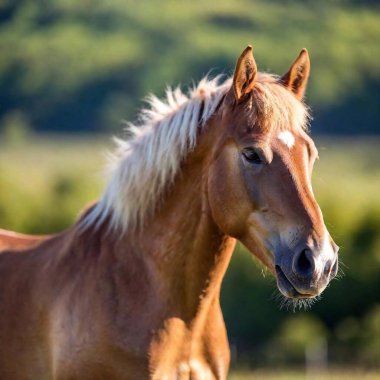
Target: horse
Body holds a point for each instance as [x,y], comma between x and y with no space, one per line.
[132,289]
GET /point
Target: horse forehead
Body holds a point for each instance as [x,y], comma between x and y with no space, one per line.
[290,141]
[287,138]
[292,148]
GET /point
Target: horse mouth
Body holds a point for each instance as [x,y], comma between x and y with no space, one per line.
[287,288]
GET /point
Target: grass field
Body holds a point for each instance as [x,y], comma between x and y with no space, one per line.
[336,374]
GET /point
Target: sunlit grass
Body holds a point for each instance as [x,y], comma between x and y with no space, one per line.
[346,180]
[342,374]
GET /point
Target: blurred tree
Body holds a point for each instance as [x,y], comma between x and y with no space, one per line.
[65,64]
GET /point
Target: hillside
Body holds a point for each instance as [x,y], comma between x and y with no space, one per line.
[84,66]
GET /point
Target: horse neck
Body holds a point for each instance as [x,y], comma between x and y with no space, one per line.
[184,252]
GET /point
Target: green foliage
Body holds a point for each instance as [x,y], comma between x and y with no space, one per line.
[300,331]
[346,374]
[70,65]
[44,185]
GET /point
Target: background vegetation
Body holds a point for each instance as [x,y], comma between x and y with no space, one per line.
[82,67]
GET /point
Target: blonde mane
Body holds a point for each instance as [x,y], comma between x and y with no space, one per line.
[142,166]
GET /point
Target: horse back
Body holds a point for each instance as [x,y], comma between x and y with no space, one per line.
[10,240]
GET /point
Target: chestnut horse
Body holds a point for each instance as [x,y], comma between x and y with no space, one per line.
[131,290]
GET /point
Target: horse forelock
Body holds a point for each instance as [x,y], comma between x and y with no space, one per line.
[272,107]
[149,159]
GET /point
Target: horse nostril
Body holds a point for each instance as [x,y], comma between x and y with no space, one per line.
[327,269]
[303,263]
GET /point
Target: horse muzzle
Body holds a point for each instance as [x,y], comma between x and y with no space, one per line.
[306,273]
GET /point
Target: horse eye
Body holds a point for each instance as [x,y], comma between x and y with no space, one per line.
[252,156]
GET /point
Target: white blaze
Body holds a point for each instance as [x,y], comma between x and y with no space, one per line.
[327,249]
[287,138]
[325,255]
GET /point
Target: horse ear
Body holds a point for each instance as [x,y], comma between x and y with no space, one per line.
[297,76]
[245,74]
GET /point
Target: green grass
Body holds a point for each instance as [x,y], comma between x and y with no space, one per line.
[346,180]
[342,374]
[46,181]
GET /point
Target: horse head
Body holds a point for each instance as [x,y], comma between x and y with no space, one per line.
[259,182]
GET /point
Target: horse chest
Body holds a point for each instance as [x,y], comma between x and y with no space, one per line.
[183,354]
[193,369]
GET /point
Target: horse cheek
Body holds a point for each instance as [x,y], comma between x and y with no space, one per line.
[228,198]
